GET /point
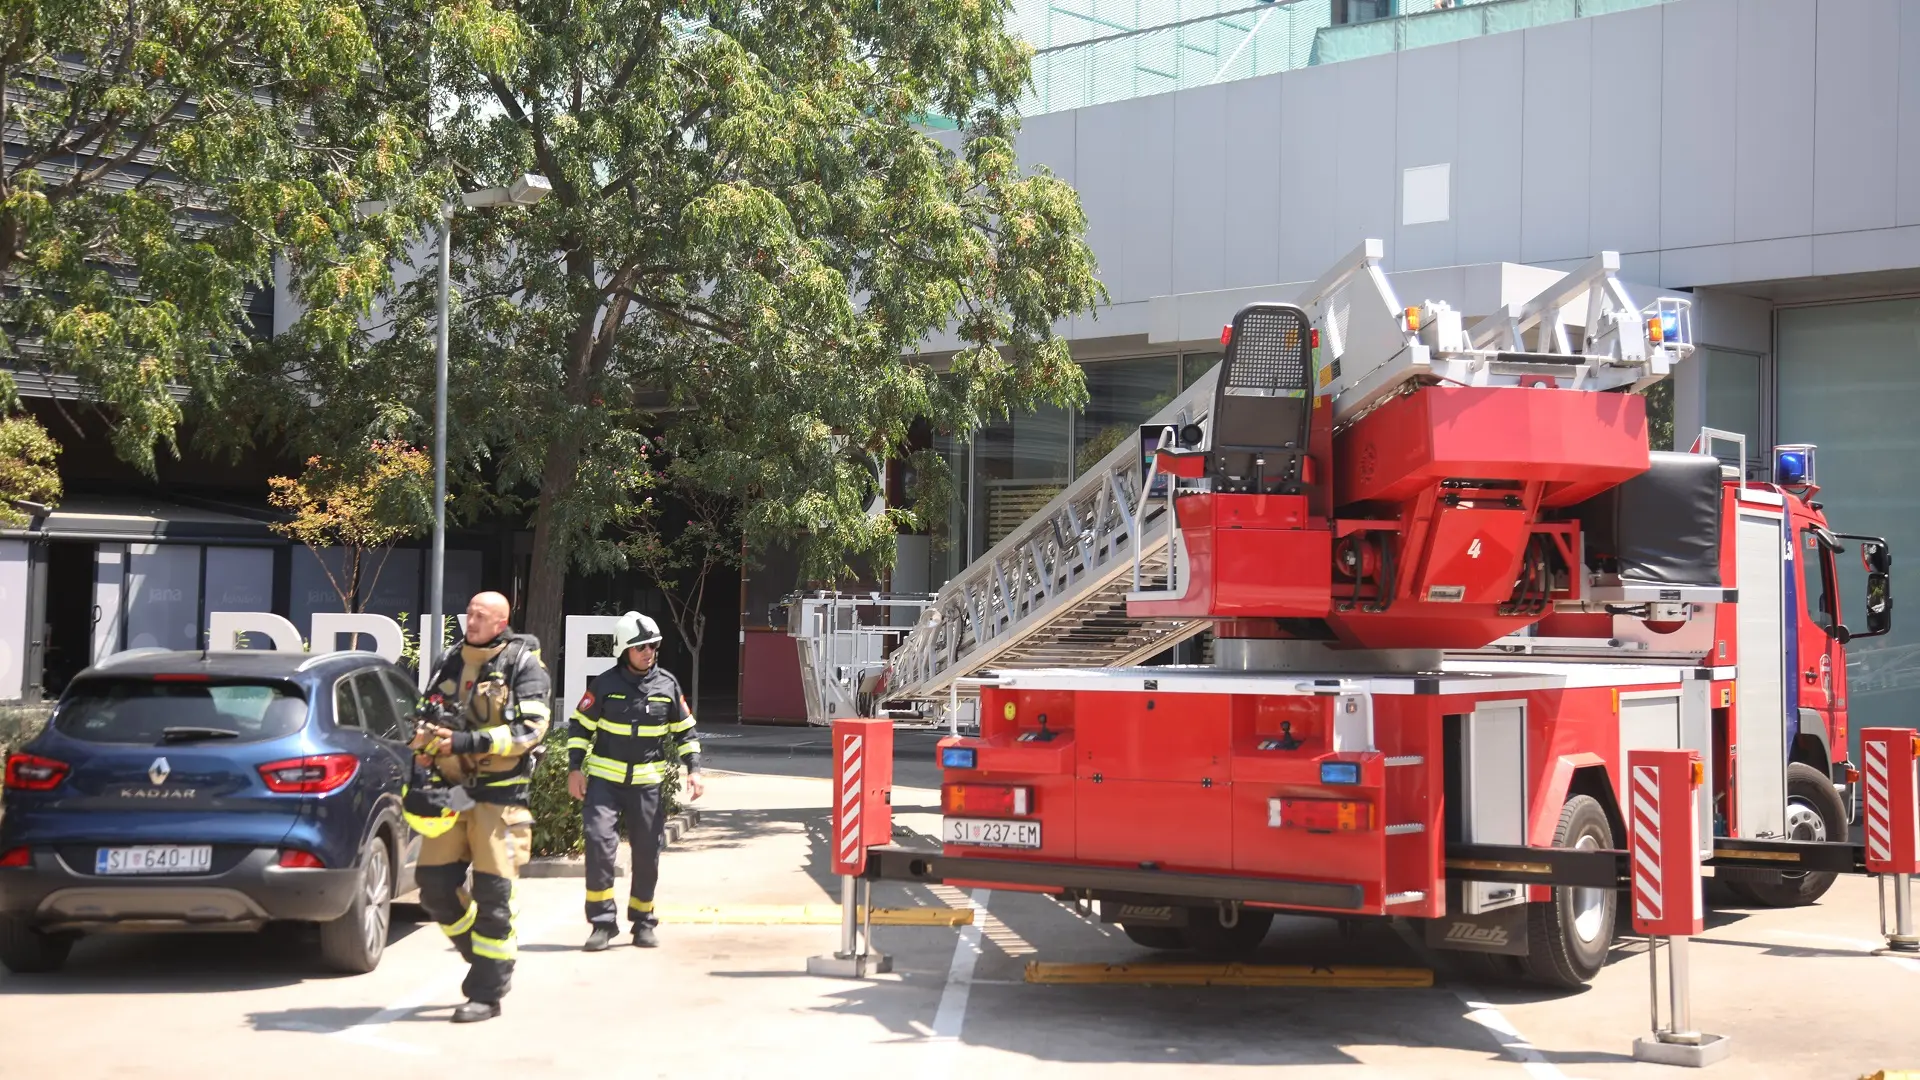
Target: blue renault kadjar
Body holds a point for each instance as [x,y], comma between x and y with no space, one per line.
[211,791]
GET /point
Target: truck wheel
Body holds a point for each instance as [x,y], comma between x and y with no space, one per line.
[1568,935]
[1154,937]
[25,950]
[1815,812]
[1205,935]
[353,943]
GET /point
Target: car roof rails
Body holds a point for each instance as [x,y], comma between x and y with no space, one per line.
[128,654]
[334,653]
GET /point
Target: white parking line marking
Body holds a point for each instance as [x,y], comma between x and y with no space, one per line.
[1908,962]
[952,1013]
[1515,1044]
[1489,1016]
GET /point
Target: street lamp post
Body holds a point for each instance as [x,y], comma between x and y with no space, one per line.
[527,189]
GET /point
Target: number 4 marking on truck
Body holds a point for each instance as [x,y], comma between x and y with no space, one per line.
[1473,549]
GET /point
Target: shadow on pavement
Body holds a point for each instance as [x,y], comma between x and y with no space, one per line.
[330,1019]
[114,964]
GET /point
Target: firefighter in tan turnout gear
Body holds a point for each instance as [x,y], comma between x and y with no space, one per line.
[633,717]
[495,682]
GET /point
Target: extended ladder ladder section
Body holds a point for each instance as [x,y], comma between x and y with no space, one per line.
[1054,591]
[1373,346]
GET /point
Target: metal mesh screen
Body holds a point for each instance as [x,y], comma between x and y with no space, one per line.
[1270,354]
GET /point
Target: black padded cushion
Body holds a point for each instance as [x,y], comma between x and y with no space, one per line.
[1661,527]
[1263,402]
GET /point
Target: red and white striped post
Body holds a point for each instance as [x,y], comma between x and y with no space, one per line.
[862,817]
[1891,815]
[1663,830]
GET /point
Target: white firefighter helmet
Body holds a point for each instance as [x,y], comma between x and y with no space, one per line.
[634,629]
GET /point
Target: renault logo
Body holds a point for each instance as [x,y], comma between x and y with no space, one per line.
[158,771]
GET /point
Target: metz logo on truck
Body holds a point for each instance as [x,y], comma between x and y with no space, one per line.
[1115,911]
[1465,933]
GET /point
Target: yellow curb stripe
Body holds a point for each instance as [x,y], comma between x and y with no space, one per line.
[1228,975]
[1893,1074]
[810,915]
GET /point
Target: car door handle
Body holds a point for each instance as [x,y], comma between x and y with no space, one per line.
[1812,675]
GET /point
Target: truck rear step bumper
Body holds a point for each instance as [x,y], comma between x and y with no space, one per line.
[932,868]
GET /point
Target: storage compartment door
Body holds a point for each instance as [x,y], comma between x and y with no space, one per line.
[1495,786]
[1760,770]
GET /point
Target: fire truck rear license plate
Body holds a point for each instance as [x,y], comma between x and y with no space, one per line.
[982,832]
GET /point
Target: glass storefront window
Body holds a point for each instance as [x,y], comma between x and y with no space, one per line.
[1018,465]
[163,596]
[1194,365]
[1121,395]
[1849,382]
[1733,400]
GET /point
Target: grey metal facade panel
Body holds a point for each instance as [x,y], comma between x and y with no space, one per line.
[1368,182]
[1907,167]
[1124,165]
[1757,260]
[1856,136]
[1428,134]
[1557,86]
[1696,124]
[1149,200]
[1048,140]
[1866,251]
[1773,137]
[1623,205]
[1200,141]
[1251,196]
[1310,234]
[1486,175]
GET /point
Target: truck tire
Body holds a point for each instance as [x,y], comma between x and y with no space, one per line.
[1815,811]
[25,950]
[1205,935]
[353,943]
[1154,937]
[1568,935]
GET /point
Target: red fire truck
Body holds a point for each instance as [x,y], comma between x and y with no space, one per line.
[1450,587]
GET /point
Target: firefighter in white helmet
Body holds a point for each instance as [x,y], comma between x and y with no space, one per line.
[631,724]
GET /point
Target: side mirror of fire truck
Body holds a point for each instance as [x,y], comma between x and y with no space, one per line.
[1879,563]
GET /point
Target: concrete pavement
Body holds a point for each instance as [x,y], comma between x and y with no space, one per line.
[1795,989]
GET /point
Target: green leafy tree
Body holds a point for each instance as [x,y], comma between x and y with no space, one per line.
[359,506]
[27,471]
[162,153]
[748,239]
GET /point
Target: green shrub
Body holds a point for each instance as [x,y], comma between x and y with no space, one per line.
[19,723]
[557,828]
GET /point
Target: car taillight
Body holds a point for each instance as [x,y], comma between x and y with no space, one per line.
[989,799]
[301,860]
[31,772]
[16,857]
[1320,815]
[315,775]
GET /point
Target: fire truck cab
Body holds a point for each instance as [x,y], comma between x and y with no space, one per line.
[1450,587]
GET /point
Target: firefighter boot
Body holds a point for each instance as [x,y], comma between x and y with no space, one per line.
[475,1011]
[599,940]
[645,938]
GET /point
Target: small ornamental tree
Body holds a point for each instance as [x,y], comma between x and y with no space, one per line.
[682,565]
[26,467]
[360,505]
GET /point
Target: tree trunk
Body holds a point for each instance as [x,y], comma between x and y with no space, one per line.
[547,581]
[699,636]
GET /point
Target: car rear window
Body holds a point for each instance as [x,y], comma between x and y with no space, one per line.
[142,711]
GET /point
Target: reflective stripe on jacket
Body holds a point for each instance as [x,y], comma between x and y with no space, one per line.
[629,726]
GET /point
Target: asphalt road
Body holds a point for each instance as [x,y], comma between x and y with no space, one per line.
[1797,990]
